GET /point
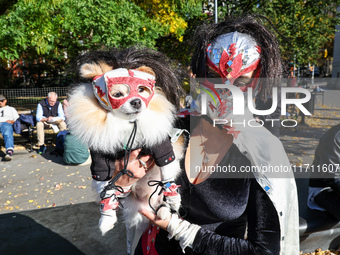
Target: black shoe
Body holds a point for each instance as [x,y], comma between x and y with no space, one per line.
[42,149]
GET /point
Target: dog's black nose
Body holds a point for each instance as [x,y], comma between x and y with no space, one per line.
[136,103]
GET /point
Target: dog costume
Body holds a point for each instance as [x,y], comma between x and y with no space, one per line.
[113,122]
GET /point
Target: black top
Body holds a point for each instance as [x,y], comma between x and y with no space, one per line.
[222,207]
[326,168]
[49,110]
[103,165]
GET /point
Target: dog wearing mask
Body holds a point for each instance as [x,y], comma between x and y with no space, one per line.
[124,109]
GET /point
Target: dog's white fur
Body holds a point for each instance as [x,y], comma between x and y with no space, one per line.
[107,132]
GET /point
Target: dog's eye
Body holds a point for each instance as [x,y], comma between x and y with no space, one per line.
[144,91]
[118,94]
[119,90]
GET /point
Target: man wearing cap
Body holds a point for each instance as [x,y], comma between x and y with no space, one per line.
[8,116]
[50,114]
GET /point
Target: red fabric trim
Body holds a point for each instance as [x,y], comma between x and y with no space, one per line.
[223,108]
[253,84]
[106,205]
[212,107]
[97,77]
[131,81]
[250,68]
[232,50]
[185,113]
[170,194]
[172,191]
[236,66]
[149,241]
[223,64]
[131,73]
[258,49]
[100,92]
[213,66]
[231,130]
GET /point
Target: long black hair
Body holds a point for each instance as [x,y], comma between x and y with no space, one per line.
[270,62]
[167,74]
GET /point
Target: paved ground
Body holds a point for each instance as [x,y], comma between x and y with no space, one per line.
[32,181]
[46,207]
[300,144]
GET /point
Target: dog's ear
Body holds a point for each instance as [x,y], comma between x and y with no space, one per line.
[94,69]
[146,69]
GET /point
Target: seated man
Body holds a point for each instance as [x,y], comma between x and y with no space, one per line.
[49,115]
[324,182]
[8,116]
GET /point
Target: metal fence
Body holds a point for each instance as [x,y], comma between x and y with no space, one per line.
[28,99]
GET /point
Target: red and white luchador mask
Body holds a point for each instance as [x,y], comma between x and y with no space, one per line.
[233,57]
[130,91]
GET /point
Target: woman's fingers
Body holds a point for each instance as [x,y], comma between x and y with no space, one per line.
[160,223]
[134,154]
[138,167]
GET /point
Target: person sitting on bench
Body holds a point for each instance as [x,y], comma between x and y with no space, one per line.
[324,182]
[50,114]
[8,116]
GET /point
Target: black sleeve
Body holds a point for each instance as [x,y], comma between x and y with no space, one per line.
[163,153]
[102,166]
[263,230]
[327,161]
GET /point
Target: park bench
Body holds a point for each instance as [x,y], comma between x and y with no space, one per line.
[26,99]
[27,129]
[28,135]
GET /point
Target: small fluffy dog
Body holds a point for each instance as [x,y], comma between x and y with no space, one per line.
[103,115]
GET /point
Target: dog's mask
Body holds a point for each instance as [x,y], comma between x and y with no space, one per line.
[125,92]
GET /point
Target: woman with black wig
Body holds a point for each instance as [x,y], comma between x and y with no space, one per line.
[249,213]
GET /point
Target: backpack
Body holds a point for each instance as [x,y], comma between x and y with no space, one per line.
[59,145]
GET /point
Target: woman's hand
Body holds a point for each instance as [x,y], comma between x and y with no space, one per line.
[138,166]
[158,222]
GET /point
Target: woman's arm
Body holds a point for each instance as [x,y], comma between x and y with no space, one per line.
[263,230]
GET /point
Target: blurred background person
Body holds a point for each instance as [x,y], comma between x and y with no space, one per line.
[8,115]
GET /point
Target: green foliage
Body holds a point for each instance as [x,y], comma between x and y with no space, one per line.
[172,15]
[180,50]
[53,28]
[179,19]
[303,27]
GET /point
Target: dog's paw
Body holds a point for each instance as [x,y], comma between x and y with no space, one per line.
[174,202]
[107,222]
[164,211]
